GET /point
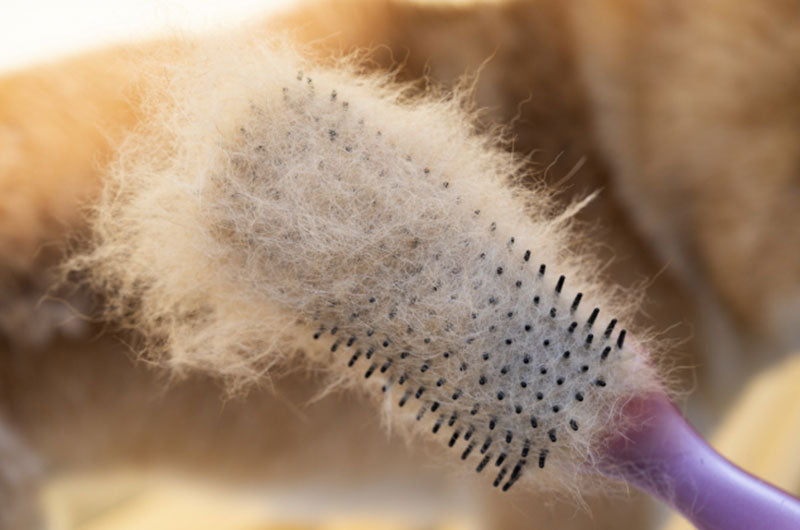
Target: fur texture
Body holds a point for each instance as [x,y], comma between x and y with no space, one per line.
[271,202]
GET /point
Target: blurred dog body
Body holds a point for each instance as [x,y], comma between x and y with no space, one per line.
[684,115]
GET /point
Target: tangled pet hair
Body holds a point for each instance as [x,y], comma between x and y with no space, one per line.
[270,212]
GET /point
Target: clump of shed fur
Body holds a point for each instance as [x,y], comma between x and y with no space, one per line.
[267,202]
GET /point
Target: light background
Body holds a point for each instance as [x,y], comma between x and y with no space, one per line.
[33,31]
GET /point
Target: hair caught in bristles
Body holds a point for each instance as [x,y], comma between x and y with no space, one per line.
[269,208]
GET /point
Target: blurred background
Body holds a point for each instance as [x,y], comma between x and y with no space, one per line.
[758,433]
[757,426]
[43,30]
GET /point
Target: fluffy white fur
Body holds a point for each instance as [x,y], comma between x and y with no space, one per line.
[266,203]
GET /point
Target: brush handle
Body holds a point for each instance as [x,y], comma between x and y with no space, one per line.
[663,455]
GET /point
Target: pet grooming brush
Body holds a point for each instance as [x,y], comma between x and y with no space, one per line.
[269,208]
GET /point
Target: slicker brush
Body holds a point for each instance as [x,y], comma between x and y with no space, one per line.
[272,212]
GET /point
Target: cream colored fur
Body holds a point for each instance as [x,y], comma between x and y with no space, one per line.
[267,200]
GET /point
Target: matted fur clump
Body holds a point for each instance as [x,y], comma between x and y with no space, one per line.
[269,207]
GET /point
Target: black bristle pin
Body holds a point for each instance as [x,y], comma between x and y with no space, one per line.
[386,366]
[621,339]
[576,302]
[514,475]
[610,328]
[560,284]
[500,459]
[552,435]
[483,463]
[420,390]
[469,432]
[485,446]
[403,400]
[354,358]
[437,425]
[453,439]
[369,371]
[573,425]
[605,353]
[435,406]
[467,451]
[589,339]
[499,477]
[542,458]
[593,317]
[542,269]
[527,255]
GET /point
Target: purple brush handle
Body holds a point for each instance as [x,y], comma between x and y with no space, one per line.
[663,455]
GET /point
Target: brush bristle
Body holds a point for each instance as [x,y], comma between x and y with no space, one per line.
[271,207]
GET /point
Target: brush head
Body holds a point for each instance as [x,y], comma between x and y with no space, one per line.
[271,207]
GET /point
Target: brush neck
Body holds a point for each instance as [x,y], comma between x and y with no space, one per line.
[663,455]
